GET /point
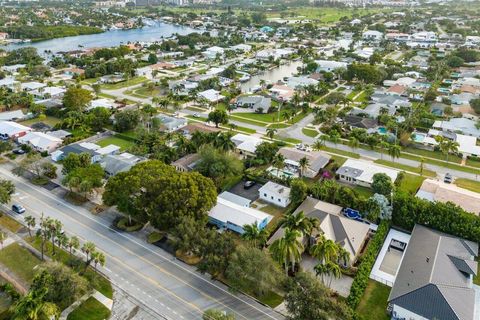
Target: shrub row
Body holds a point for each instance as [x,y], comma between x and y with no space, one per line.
[368,260]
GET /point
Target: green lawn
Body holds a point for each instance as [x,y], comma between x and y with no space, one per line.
[271,299]
[476,279]
[473,162]
[145,92]
[263,117]
[124,144]
[197,118]
[123,84]
[426,172]
[99,282]
[337,160]
[363,191]
[91,309]
[287,140]
[9,223]
[411,183]
[49,120]
[374,302]
[432,154]
[310,132]
[342,152]
[278,126]
[246,130]
[20,261]
[252,122]
[448,165]
[471,185]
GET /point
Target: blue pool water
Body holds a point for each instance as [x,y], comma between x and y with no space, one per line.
[382,130]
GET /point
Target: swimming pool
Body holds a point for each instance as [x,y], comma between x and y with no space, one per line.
[419,137]
[382,130]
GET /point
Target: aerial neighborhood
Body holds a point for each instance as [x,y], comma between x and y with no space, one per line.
[240,160]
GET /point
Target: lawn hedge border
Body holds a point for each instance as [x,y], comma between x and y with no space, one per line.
[368,260]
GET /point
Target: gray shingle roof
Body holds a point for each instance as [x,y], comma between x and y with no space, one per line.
[432,284]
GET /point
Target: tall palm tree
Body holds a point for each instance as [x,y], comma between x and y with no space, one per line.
[333,271]
[278,162]
[383,146]
[447,146]
[325,249]
[271,133]
[304,163]
[353,143]
[224,142]
[34,307]
[394,151]
[319,143]
[30,221]
[334,137]
[296,222]
[288,249]
[252,233]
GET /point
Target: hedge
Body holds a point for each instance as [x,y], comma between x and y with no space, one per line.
[368,260]
[409,210]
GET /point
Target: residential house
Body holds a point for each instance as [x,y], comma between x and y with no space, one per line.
[301,82]
[360,122]
[211,95]
[12,130]
[12,115]
[186,163]
[256,102]
[361,172]
[9,83]
[32,86]
[246,145]
[435,278]
[329,65]
[116,163]
[232,197]
[317,160]
[281,92]
[461,125]
[213,52]
[348,233]
[42,142]
[228,215]
[372,35]
[434,190]
[275,193]
[171,124]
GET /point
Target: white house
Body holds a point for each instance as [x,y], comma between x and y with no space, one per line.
[40,141]
[231,216]
[32,86]
[275,193]
[372,35]
[329,65]
[213,52]
[361,172]
[12,130]
[49,93]
[246,145]
[211,95]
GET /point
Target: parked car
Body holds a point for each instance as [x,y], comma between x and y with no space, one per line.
[18,209]
[448,178]
[196,115]
[18,151]
[248,184]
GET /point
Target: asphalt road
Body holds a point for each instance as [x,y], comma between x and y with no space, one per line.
[165,285]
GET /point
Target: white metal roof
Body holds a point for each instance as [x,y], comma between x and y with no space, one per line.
[227,211]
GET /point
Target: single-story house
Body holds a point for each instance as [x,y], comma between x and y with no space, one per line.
[361,122]
[348,233]
[435,278]
[186,163]
[434,190]
[275,193]
[235,198]
[102,103]
[246,145]
[361,172]
[317,160]
[40,141]
[254,102]
[211,95]
[372,35]
[281,92]
[12,115]
[49,93]
[462,125]
[32,86]
[301,82]
[231,216]
[171,124]
[116,163]
[329,65]
[213,52]
[77,148]
[12,130]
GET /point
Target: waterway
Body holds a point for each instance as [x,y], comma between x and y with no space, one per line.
[272,76]
[154,32]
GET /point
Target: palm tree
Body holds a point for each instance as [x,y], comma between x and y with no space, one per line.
[343,256]
[324,249]
[30,222]
[353,143]
[394,151]
[271,133]
[98,258]
[319,143]
[333,270]
[224,142]
[296,222]
[447,146]
[88,248]
[288,249]
[252,233]
[34,307]
[303,162]
[3,236]
[73,244]
[334,137]
[278,162]
[422,165]
[383,146]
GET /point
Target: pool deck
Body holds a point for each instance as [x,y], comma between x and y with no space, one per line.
[379,275]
